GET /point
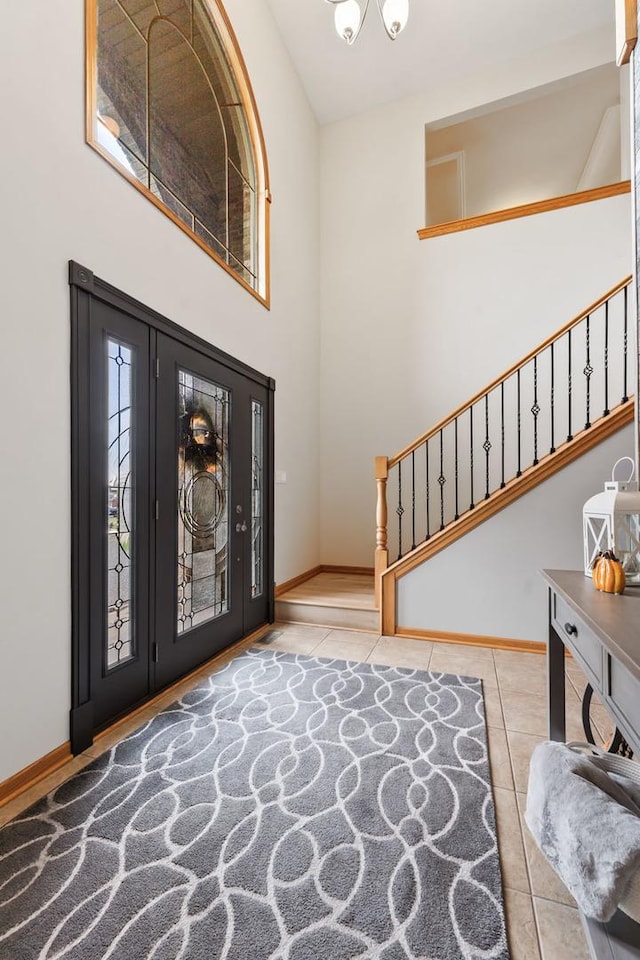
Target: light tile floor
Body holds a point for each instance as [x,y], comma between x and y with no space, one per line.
[542,921]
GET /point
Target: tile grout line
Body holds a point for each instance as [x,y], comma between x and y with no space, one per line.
[520,821]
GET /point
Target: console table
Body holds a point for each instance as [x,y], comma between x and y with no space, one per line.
[602,632]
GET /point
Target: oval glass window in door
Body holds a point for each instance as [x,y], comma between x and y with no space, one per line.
[203,501]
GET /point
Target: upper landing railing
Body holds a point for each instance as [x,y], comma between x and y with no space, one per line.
[555,393]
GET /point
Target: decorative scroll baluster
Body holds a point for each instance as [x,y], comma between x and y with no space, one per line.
[570,382]
[535,410]
[441,481]
[625,395]
[588,371]
[502,481]
[553,400]
[382,552]
[426,453]
[471,504]
[413,499]
[486,446]
[519,472]
[455,434]
[606,360]
[399,509]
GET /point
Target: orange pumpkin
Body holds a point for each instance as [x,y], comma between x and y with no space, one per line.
[608,574]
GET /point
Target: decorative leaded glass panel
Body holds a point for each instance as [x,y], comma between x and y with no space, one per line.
[120,485]
[172,107]
[203,500]
[257,497]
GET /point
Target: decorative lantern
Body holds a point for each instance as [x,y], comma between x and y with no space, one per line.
[611,521]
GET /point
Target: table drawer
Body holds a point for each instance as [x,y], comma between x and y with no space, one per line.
[622,690]
[577,637]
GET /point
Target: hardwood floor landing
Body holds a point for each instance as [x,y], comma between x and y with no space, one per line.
[331,599]
[335,590]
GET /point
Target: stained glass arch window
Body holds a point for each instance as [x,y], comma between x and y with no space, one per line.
[170,105]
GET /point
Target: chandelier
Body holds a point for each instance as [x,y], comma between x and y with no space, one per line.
[349,17]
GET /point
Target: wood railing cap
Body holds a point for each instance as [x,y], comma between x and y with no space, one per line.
[392,461]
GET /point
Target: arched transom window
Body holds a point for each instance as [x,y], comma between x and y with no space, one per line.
[170,105]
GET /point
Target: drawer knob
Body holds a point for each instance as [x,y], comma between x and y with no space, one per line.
[571,629]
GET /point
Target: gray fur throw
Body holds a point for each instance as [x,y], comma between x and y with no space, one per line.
[586,824]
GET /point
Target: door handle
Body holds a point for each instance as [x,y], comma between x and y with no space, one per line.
[241,527]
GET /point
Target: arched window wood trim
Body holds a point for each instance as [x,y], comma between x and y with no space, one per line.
[260,239]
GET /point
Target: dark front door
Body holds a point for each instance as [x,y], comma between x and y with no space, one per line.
[210,531]
[172,503]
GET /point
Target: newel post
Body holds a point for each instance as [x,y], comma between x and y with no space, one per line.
[381,472]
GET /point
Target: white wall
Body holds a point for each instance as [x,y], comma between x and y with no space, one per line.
[410,329]
[61,201]
[488,583]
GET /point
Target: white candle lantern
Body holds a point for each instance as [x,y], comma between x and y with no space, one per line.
[611,521]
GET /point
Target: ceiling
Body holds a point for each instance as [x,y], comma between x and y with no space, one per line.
[442,40]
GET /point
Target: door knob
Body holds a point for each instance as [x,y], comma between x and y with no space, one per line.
[241,527]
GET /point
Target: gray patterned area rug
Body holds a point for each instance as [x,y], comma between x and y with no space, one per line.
[289,808]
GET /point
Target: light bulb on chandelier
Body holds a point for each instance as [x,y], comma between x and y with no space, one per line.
[349,17]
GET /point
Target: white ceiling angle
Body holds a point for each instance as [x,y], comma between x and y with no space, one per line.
[441,40]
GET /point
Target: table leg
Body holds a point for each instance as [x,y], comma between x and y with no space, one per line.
[555,687]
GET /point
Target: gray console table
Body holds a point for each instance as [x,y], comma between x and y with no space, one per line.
[602,632]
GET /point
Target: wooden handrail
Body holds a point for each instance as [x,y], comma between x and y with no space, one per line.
[392,461]
[526,210]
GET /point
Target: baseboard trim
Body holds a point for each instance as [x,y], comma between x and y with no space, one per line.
[474,640]
[24,779]
[321,568]
[354,571]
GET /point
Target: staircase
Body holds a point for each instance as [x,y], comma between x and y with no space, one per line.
[331,597]
[564,397]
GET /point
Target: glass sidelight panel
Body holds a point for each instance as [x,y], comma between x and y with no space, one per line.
[257,497]
[203,501]
[120,484]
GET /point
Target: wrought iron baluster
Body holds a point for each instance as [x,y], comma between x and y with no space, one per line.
[588,371]
[486,446]
[413,499]
[426,453]
[519,472]
[471,504]
[399,509]
[535,410]
[456,466]
[502,480]
[553,400]
[441,481]
[625,395]
[570,383]
[606,360]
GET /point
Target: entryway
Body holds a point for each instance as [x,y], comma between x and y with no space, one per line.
[172,502]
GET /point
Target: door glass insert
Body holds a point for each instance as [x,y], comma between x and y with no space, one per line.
[203,500]
[257,486]
[120,486]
